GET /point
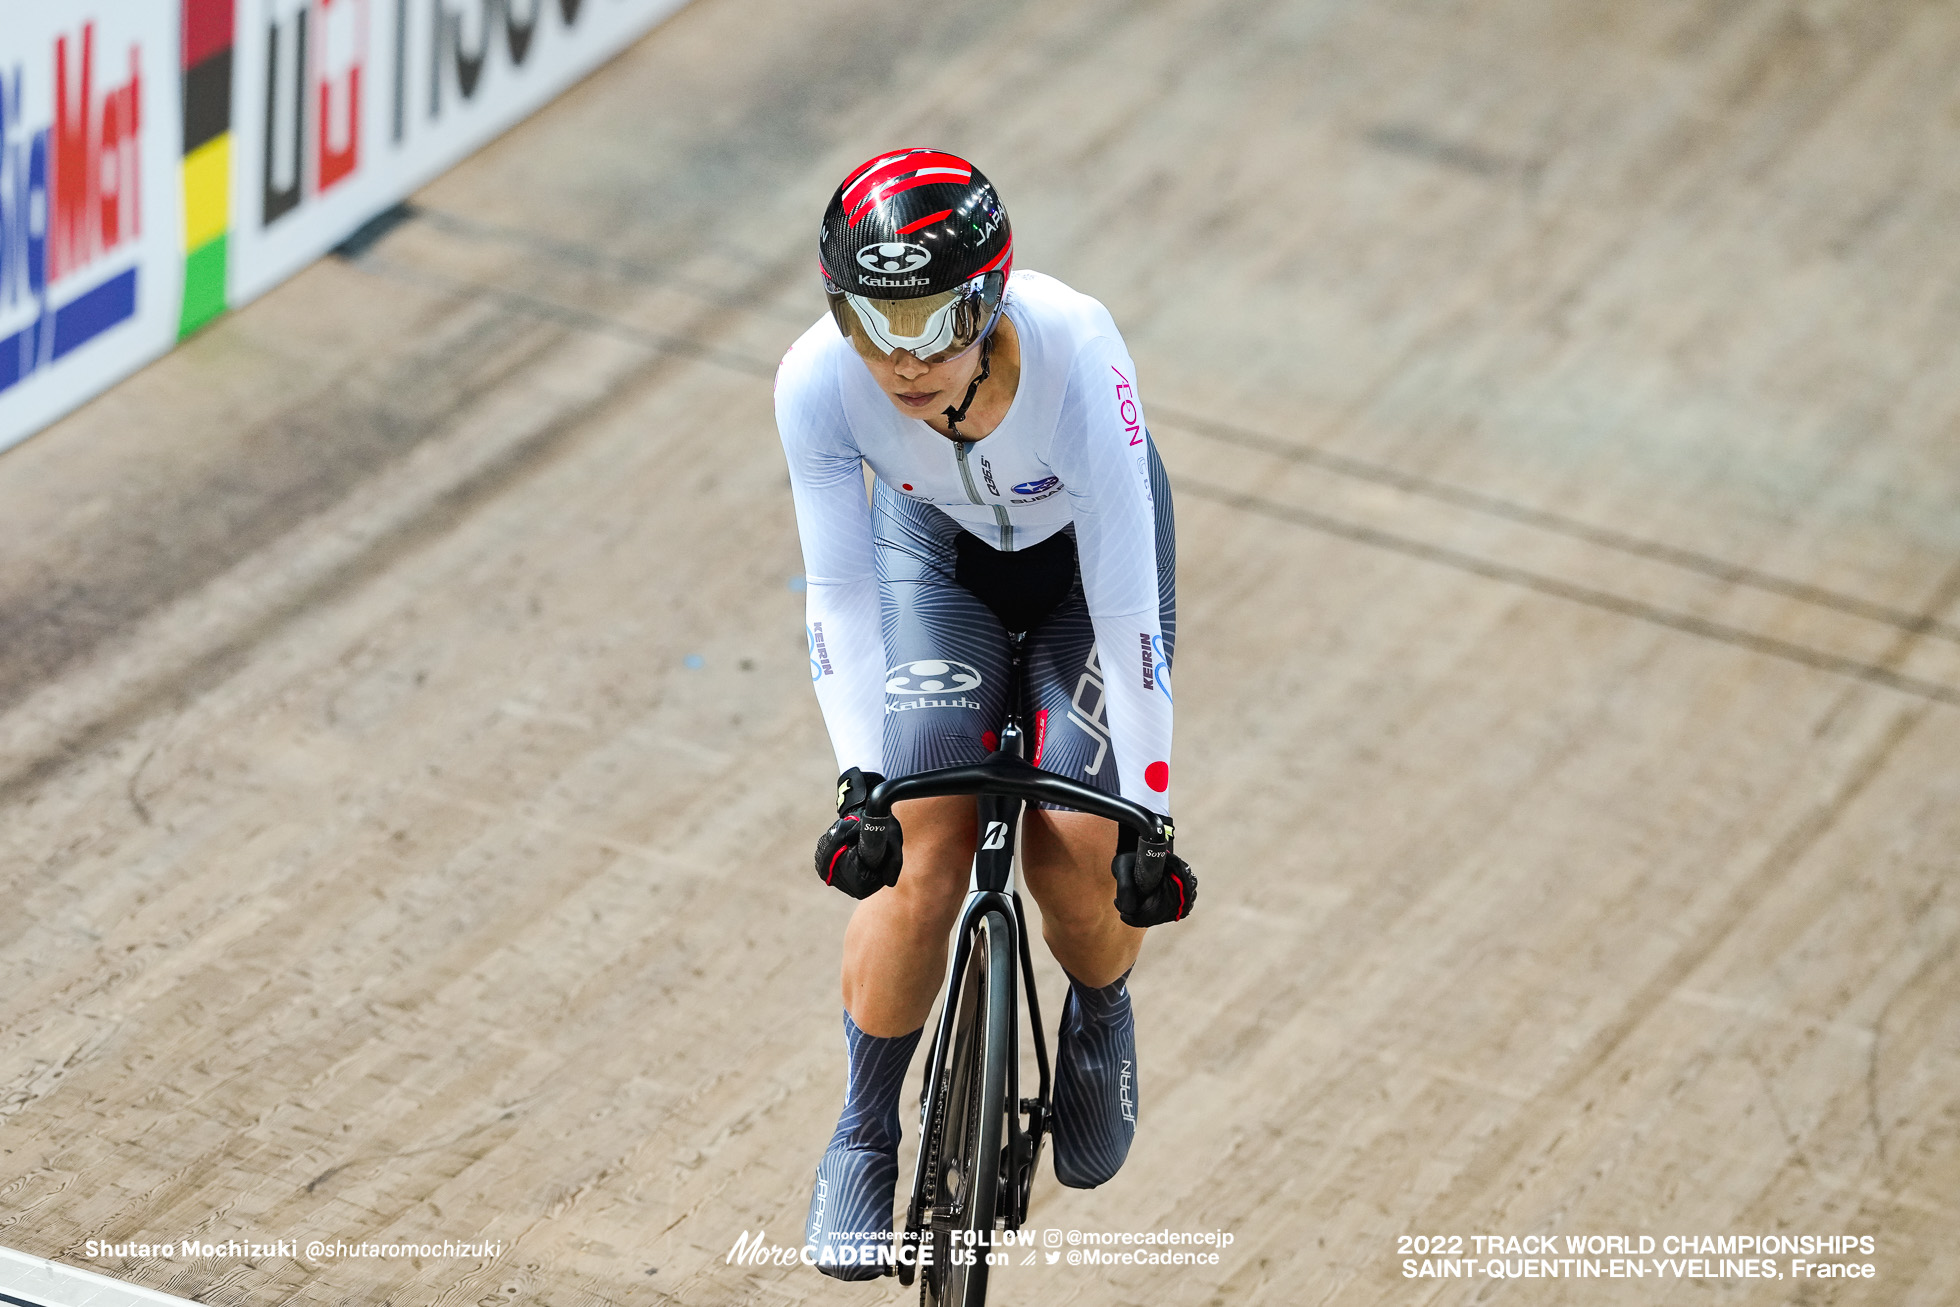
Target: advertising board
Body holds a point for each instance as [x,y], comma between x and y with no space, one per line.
[91,269]
[162,161]
[342,107]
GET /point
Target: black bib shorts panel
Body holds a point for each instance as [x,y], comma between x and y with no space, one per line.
[946,602]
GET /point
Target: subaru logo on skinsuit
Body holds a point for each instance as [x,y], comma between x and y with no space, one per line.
[1036,487]
[930,676]
[894,256]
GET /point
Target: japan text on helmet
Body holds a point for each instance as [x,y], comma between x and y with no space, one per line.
[915,251]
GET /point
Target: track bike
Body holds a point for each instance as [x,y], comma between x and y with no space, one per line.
[979,1139]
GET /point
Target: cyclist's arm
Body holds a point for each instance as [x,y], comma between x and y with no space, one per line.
[847,659]
[1101,454]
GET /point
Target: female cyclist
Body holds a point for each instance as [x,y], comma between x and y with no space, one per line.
[1015,488]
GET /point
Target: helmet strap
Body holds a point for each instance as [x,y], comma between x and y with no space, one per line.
[955,416]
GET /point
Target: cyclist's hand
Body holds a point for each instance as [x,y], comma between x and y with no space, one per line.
[1153,885]
[857,855]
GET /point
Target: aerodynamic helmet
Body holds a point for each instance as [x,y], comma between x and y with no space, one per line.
[915,252]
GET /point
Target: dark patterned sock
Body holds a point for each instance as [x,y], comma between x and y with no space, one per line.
[1095,1083]
[850,1220]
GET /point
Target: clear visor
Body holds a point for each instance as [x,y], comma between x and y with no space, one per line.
[932,328]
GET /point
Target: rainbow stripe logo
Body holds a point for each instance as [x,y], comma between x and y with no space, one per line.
[207,43]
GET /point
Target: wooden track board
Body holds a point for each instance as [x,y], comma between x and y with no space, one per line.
[409,772]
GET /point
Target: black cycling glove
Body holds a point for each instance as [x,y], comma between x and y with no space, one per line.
[859,855]
[1153,885]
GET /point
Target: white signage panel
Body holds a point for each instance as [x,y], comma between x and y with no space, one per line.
[340,108]
[91,256]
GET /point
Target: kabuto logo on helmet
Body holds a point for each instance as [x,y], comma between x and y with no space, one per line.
[893,256]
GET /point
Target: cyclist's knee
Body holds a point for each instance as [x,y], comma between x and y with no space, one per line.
[1066,865]
[928,896]
[939,838]
[939,834]
[1080,915]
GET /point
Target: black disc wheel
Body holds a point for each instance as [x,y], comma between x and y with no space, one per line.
[964,1135]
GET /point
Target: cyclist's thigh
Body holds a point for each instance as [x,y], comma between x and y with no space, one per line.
[1065,688]
[945,652]
[1065,683]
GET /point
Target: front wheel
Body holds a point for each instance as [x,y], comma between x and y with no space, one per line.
[964,1136]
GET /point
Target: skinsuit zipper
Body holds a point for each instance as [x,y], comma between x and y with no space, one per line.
[973,494]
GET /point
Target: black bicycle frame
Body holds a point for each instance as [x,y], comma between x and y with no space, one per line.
[1002,784]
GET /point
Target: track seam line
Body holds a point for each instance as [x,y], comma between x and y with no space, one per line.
[1621,542]
[460,227]
[549,310]
[1721,632]
[1674,556]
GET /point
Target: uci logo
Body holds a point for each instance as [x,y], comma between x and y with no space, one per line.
[894,256]
[930,676]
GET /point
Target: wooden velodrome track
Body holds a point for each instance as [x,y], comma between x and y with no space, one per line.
[409,769]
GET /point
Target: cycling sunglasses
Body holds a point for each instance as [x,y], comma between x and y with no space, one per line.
[932,328]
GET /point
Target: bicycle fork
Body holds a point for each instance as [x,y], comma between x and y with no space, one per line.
[990,890]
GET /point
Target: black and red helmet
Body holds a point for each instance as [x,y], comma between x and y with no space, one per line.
[916,225]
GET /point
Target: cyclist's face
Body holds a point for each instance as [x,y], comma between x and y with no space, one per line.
[921,390]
